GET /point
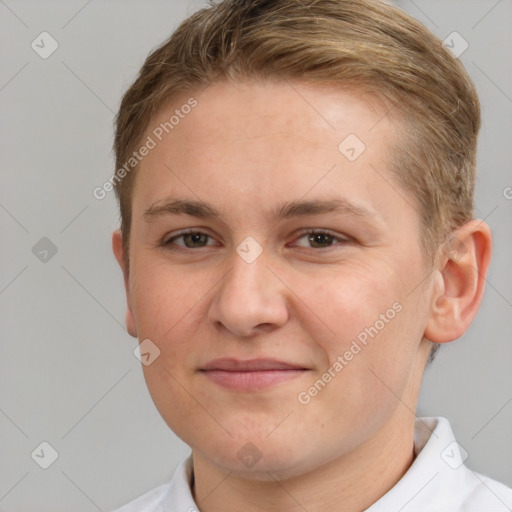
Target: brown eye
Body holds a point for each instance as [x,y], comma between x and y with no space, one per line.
[189,240]
[316,239]
[320,240]
[195,239]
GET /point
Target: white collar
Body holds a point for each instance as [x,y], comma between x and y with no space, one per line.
[437,481]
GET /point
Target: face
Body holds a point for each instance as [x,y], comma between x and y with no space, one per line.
[276,265]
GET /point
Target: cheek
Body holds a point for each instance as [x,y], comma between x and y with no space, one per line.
[166,305]
[348,302]
[368,325]
[164,296]
[169,308]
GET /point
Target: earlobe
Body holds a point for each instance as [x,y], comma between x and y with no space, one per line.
[463,266]
[118,250]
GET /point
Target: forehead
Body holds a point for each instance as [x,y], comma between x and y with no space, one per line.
[232,111]
[260,142]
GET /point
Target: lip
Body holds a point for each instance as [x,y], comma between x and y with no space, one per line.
[252,374]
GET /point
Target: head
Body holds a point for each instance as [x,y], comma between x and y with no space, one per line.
[261,122]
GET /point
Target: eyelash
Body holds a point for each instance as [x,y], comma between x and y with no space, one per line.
[168,244]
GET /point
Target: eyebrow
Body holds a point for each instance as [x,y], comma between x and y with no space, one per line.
[292,209]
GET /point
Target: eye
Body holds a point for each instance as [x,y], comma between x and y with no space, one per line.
[312,239]
[318,239]
[190,240]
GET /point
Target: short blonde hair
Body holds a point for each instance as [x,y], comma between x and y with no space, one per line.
[364,43]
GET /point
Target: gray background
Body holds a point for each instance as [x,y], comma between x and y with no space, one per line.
[68,374]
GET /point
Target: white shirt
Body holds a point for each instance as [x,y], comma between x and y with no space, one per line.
[437,481]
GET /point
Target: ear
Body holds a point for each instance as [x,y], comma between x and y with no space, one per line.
[117,248]
[462,271]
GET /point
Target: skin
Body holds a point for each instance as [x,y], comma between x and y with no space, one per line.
[246,149]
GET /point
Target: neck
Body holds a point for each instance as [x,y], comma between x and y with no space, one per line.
[352,482]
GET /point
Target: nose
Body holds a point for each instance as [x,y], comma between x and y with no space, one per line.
[250,299]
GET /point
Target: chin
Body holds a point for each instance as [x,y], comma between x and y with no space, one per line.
[265,460]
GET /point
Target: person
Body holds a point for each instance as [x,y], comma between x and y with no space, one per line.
[296,182]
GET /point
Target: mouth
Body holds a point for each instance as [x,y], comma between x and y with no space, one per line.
[251,375]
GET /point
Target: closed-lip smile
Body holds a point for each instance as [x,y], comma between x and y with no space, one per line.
[251,374]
